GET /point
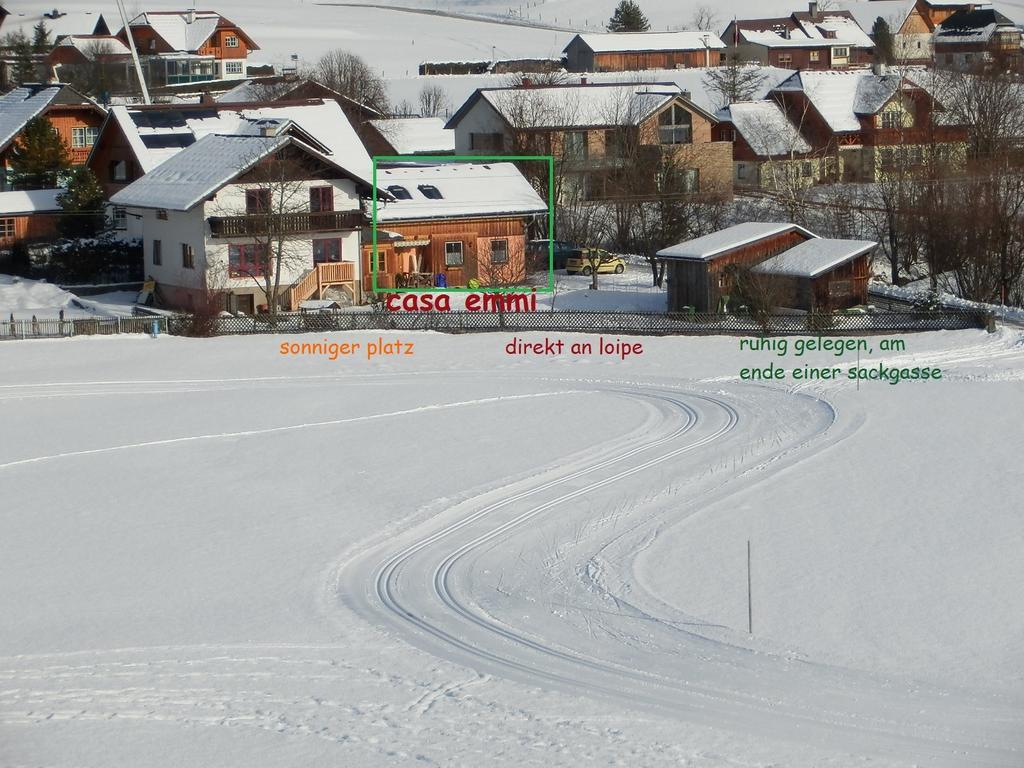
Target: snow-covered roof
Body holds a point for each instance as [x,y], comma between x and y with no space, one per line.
[20,105]
[839,97]
[156,135]
[772,39]
[416,135]
[972,26]
[709,246]
[895,12]
[198,171]
[69,22]
[91,45]
[765,127]
[567,106]
[814,257]
[615,42]
[29,201]
[181,30]
[836,30]
[800,30]
[465,189]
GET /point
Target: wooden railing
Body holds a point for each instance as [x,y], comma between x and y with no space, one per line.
[284,223]
[313,282]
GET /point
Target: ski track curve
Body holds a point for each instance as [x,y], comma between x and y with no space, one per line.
[452,626]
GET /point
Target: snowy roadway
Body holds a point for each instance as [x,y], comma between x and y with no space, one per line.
[468,559]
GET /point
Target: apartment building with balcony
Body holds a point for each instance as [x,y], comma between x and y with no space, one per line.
[214,218]
[605,137]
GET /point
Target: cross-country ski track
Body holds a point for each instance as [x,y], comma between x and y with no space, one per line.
[518,579]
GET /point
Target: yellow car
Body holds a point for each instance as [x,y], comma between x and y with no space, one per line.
[584,261]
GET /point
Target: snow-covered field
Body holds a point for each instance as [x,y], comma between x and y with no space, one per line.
[217,555]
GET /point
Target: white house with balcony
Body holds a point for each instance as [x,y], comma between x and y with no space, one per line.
[215,217]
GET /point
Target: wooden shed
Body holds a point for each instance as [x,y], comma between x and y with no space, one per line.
[698,274]
[27,216]
[631,51]
[821,274]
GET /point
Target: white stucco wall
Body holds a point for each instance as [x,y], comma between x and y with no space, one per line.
[481,118]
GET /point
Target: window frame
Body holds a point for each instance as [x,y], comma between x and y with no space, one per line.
[188,256]
[257,202]
[8,227]
[250,263]
[320,242]
[157,253]
[495,241]
[233,67]
[673,128]
[582,152]
[448,255]
[231,41]
[318,196]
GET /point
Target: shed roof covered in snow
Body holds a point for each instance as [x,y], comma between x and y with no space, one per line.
[765,128]
[416,135]
[729,239]
[630,42]
[456,190]
[24,202]
[95,46]
[815,257]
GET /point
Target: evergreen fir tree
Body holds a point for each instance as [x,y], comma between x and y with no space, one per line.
[23,68]
[885,43]
[628,18]
[82,205]
[41,38]
[39,156]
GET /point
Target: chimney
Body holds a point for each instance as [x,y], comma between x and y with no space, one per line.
[527,82]
[812,9]
[191,16]
[583,79]
[206,98]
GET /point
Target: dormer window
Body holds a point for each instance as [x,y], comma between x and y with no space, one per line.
[399,193]
[430,191]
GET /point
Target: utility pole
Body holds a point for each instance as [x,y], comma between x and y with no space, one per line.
[750,604]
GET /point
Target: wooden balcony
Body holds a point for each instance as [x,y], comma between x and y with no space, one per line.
[285,223]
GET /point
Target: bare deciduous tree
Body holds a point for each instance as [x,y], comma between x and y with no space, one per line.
[351,76]
[434,101]
[705,18]
[276,197]
[736,80]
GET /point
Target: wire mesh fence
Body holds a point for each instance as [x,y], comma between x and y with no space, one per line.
[53,328]
[623,323]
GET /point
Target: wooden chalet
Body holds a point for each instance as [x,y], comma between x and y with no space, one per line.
[812,39]
[809,273]
[75,117]
[868,121]
[632,51]
[450,224]
[973,39]
[189,46]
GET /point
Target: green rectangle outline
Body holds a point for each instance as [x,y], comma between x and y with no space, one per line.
[475,159]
